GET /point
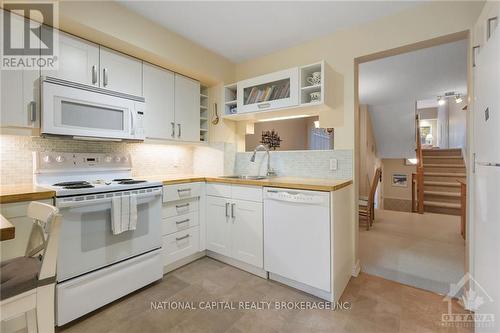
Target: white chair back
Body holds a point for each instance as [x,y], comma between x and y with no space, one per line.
[44,236]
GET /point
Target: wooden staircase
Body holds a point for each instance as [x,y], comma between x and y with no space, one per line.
[442,169]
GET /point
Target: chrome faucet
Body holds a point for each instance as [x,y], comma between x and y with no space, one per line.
[270,172]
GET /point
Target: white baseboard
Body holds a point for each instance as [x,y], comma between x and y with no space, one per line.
[356,269]
[183,261]
[238,264]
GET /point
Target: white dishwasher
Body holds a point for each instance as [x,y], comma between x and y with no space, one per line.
[297,233]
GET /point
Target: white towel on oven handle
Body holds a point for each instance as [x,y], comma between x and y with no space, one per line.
[116,215]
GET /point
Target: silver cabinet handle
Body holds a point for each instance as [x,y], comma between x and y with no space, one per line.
[94,74]
[179,127]
[105,77]
[32,111]
[227,209]
[173,129]
[181,238]
[232,210]
[182,206]
[183,221]
[264,105]
[183,189]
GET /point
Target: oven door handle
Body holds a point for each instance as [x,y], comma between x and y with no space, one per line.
[73,204]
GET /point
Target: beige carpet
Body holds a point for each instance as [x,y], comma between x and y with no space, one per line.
[421,250]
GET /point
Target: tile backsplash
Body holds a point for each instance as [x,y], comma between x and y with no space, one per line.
[16,158]
[310,163]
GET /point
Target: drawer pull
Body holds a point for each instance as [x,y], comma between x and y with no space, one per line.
[182,206]
[183,190]
[181,238]
[183,221]
[264,105]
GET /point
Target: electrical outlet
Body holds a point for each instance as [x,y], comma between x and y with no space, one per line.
[333,164]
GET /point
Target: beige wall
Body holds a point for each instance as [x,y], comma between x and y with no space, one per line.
[113,25]
[419,23]
[394,197]
[428,113]
[368,161]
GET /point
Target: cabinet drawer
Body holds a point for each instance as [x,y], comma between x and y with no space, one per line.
[181,244]
[179,223]
[250,193]
[181,191]
[219,190]
[180,207]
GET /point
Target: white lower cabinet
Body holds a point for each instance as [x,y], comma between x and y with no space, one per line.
[183,228]
[181,244]
[234,226]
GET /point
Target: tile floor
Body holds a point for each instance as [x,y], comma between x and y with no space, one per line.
[378,305]
[421,250]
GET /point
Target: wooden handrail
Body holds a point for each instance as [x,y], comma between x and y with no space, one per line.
[420,169]
[463,207]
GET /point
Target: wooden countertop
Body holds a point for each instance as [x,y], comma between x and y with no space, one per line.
[24,192]
[313,184]
[30,192]
[7,230]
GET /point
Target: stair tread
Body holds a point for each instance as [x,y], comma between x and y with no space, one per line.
[442,149]
[436,183]
[441,204]
[444,165]
[448,157]
[445,174]
[444,194]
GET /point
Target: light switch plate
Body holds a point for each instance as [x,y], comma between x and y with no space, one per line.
[333,164]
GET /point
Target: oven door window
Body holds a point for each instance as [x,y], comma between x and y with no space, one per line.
[91,116]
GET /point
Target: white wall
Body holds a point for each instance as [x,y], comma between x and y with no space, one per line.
[442,122]
[457,120]
[394,128]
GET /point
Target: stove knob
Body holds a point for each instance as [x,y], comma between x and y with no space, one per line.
[117,159]
[47,159]
[108,159]
[60,159]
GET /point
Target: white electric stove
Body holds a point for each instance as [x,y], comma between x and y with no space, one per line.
[95,266]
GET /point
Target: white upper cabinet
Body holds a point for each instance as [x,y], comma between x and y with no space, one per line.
[78,60]
[18,96]
[268,92]
[159,117]
[120,72]
[187,108]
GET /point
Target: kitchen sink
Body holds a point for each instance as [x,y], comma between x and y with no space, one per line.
[245,177]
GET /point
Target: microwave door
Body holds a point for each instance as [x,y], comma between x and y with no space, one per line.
[77,112]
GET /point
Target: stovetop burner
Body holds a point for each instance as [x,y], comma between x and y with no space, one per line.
[131,181]
[73,183]
[77,186]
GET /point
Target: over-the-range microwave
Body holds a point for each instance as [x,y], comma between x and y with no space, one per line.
[86,112]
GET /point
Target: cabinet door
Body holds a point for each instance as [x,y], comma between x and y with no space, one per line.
[78,60]
[159,94]
[247,232]
[218,226]
[18,94]
[120,72]
[187,108]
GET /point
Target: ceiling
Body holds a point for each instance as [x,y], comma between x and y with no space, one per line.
[241,30]
[418,75]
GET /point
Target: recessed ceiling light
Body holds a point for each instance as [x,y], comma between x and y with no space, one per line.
[441,100]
